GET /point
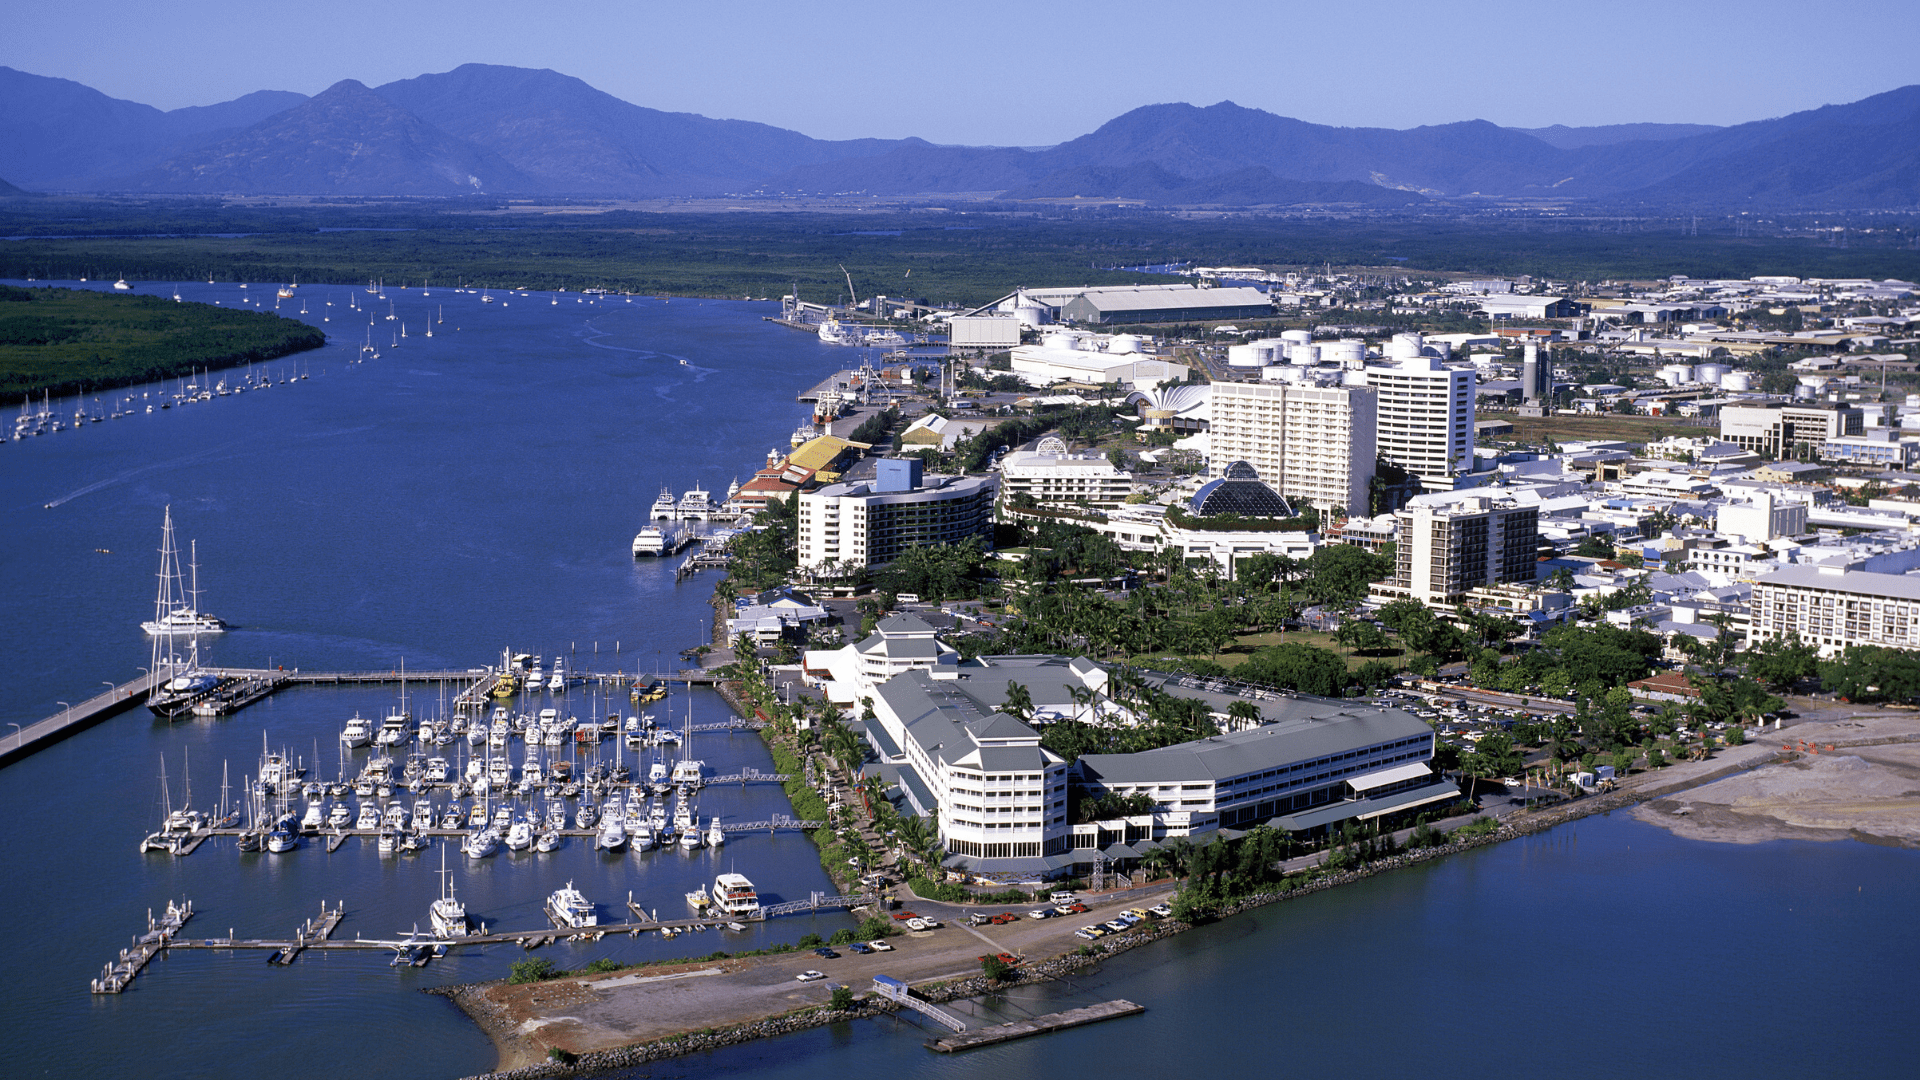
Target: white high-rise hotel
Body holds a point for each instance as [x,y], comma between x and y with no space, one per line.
[1425,418]
[1313,443]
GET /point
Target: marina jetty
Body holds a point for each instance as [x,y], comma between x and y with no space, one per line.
[236,688]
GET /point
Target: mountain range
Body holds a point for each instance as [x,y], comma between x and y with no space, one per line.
[518,131]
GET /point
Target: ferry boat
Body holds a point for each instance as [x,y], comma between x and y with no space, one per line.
[698,505]
[570,909]
[659,541]
[664,507]
[733,895]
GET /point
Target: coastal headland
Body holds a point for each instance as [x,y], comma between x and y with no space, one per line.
[1772,788]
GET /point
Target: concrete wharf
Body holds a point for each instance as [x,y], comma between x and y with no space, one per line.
[1038,1025]
[74,718]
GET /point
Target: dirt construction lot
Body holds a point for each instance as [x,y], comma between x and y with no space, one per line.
[602,1012]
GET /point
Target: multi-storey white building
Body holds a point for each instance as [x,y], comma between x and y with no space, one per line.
[1450,544]
[869,523]
[1060,479]
[1314,443]
[1779,428]
[1425,412]
[1832,608]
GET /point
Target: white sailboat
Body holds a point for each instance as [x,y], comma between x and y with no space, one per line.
[178,609]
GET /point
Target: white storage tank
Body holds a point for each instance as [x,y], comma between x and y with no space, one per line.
[1252,354]
[1405,346]
[1676,374]
[1031,315]
[1737,381]
[1062,341]
[1124,343]
[1297,337]
[1281,373]
[1710,373]
[1303,355]
[1344,352]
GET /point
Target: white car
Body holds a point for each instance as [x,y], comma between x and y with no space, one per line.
[811,975]
[879,946]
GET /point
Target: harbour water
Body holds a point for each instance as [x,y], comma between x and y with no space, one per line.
[462,494]
[477,491]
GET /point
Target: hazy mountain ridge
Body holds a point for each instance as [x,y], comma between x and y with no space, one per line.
[522,131]
[346,140]
[57,133]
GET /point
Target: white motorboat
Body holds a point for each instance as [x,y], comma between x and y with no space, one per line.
[558,681]
[338,815]
[481,844]
[689,839]
[394,731]
[570,909]
[437,770]
[519,835]
[657,774]
[716,835]
[734,895]
[585,816]
[357,733]
[369,816]
[282,839]
[642,838]
[548,841]
[613,833]
[389,841]
[687,771]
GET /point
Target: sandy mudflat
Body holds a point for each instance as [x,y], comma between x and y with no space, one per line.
[1866,787]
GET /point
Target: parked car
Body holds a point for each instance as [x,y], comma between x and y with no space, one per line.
[1091,932]
[879,946]
[826,953]
[1162,909]
[860,948]
[1042,913]
[811,975]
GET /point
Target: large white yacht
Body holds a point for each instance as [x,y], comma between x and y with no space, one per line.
[698,505]
[733,895]
[660,540]
[357,733]
[570,909]
[449,916]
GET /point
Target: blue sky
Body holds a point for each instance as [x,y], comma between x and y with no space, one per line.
[1031,73]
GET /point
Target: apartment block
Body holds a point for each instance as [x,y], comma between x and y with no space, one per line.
[1451,544]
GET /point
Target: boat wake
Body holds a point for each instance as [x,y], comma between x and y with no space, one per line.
[198,458]
[217,453]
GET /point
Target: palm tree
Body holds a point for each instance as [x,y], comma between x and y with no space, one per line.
[1019,703]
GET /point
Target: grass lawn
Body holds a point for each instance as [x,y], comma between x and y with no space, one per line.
[1640,429]
[1243,646]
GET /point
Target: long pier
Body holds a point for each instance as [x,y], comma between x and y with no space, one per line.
[74,718]
[240,687]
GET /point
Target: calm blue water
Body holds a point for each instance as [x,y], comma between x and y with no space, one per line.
[478,491]
[1604,948]
[462,494]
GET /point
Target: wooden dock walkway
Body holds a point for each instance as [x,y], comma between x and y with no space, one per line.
[74,718]
[1038,1025]
[314,930]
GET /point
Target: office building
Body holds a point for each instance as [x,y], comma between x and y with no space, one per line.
[1782,428]
[1063,479]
